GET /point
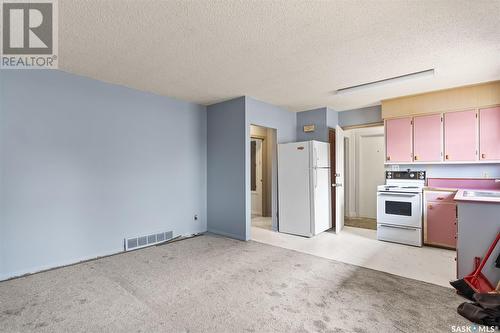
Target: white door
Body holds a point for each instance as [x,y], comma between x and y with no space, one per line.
[371,173]
[256,177]
[339,179]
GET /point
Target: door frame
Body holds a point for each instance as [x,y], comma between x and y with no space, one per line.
[333,192]
[263,183]
[360,163]
[272,152]
[353,160]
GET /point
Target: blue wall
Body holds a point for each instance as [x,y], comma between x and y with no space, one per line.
[285,124]
[226,167]
[85,164]
[332,119]
[361,116]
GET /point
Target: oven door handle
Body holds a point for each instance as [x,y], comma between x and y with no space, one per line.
[398,193]
[396,226]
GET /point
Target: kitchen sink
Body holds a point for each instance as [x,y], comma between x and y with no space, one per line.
[483,194]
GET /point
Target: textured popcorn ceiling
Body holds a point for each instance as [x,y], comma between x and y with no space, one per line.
[289,53]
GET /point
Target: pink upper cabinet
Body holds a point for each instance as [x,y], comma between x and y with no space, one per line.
[427,136]
[460,136]
[489,134]
[399,137]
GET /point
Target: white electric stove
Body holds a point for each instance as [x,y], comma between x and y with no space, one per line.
[399,207]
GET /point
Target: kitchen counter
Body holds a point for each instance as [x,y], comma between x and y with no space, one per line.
[462,195]
[478,225]
[440,189]
[478,220]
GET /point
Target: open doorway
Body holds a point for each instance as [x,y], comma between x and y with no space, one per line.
[365,157]
[262,156]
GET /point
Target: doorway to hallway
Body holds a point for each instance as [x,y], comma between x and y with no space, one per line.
[256,180]
[262,156]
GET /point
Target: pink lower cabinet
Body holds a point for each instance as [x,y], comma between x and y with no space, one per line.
[440,219]
[427,138]
[399,139]
[460,136]
[489,134]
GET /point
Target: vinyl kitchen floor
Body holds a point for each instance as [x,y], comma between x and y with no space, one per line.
[360,247]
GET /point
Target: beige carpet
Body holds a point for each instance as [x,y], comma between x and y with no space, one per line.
[214,284]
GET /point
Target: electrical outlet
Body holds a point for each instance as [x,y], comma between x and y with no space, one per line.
[196,217]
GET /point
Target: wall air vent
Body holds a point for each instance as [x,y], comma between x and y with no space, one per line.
[395,79]
[147,240]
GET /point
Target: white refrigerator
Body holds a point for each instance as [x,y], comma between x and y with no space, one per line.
[304,188]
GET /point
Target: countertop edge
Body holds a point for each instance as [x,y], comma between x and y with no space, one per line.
[459,197]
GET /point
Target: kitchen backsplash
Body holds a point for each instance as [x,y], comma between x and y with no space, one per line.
[454,170]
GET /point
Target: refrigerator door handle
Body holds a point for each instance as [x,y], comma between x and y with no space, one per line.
[315,178]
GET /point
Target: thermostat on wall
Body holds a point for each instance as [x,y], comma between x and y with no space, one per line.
[309,128]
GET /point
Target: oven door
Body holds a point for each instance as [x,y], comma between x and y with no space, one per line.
[399,208]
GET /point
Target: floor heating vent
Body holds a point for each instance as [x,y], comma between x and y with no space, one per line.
[146,240]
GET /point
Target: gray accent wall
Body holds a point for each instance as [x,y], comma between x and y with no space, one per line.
[323,118]
[85,164]
[226,168]
[316,117]
[368,115]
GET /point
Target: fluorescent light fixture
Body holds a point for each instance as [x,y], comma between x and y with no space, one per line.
[395,79]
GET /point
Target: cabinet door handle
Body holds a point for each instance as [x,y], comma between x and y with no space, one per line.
[430,206]
[483,155]
[388,158]
[447,157]
[416,157]
[440,198]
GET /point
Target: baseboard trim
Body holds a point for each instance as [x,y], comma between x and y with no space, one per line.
[59,264]
[226,234]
